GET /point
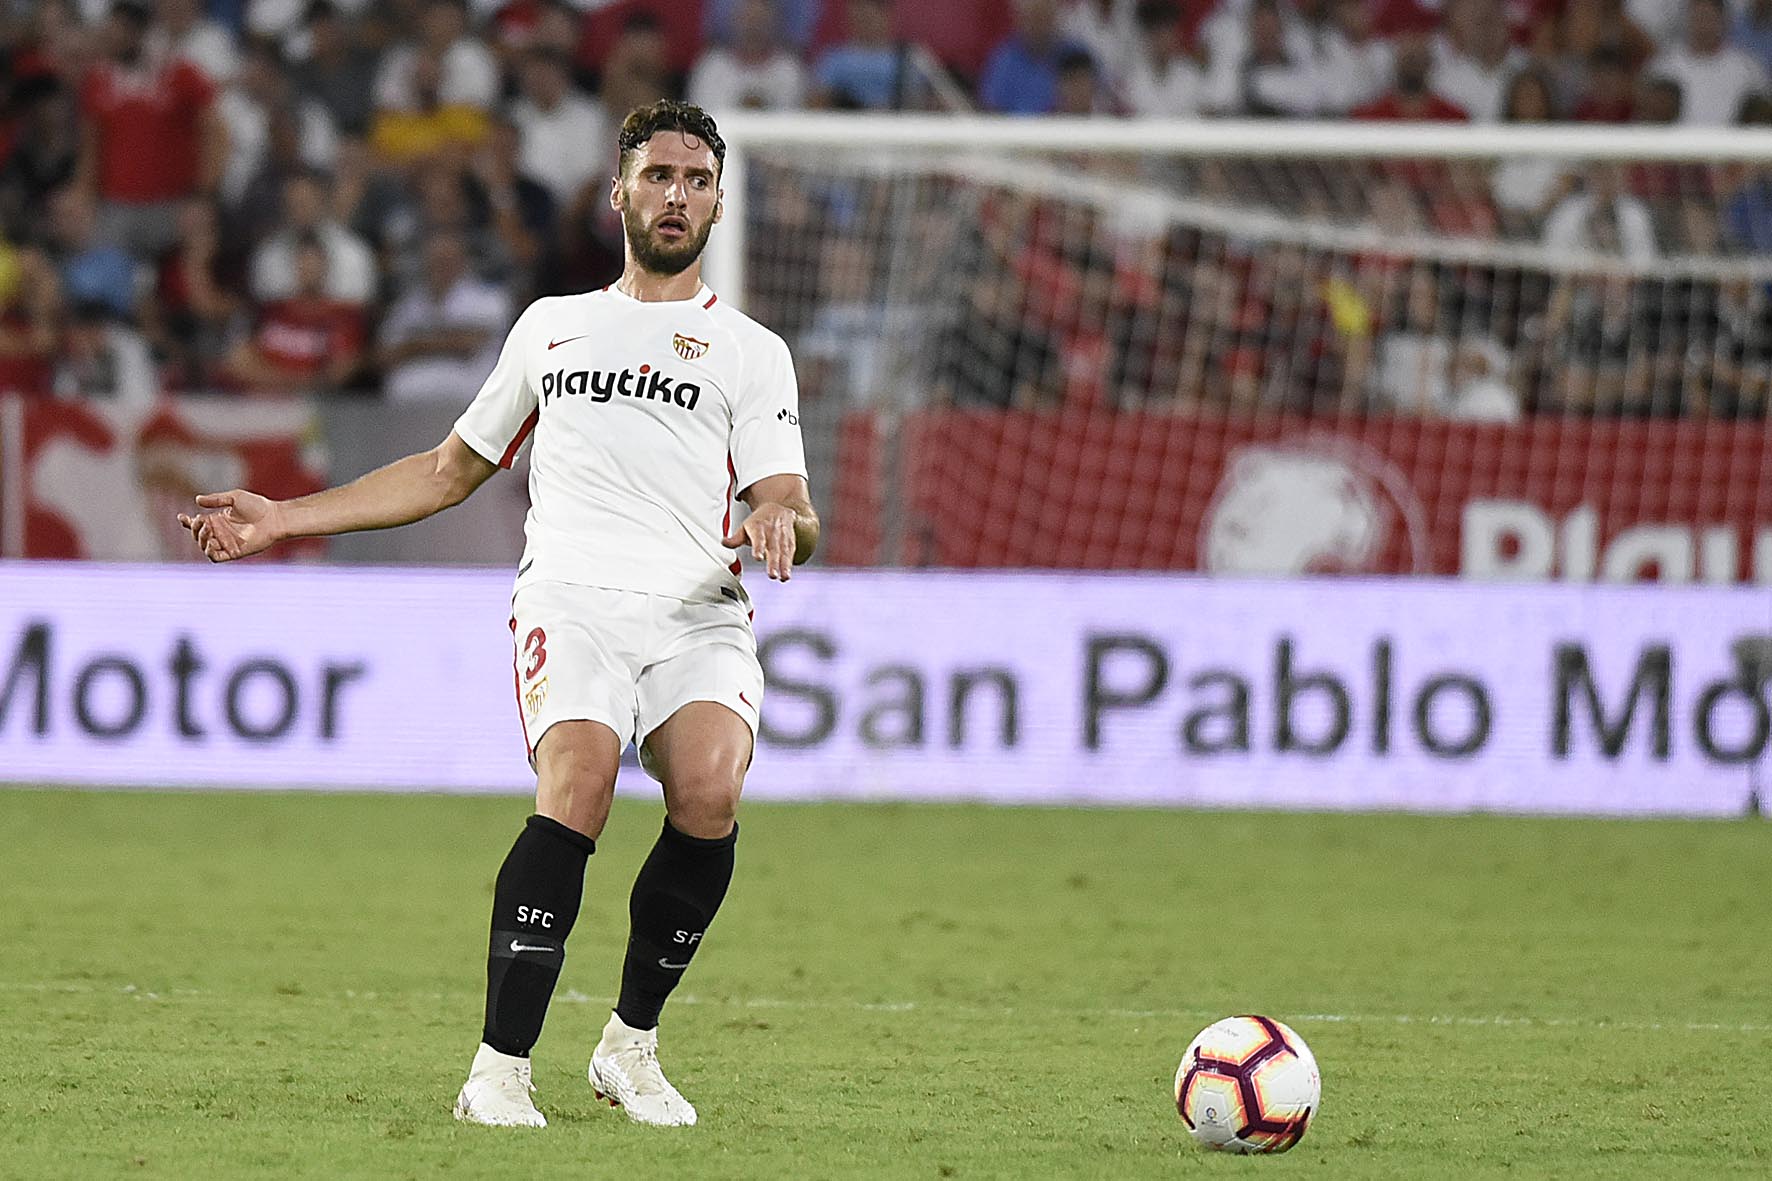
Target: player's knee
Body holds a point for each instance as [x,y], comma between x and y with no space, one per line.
[575,779]
[703,801]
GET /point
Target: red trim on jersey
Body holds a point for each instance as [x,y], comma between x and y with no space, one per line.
[510,455]
[737,566]
[517,688]
[711,298]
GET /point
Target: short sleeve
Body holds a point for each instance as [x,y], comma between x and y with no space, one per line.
[766,422]
[499,420]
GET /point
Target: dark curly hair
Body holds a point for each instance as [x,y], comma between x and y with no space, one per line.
[667,114]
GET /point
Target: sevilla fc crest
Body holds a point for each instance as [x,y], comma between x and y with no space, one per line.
[689,348]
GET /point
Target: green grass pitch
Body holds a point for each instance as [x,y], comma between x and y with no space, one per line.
[234,985]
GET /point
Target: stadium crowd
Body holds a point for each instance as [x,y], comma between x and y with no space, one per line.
[292,196]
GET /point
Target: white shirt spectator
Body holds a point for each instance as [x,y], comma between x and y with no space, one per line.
[350,266]
[725,81]
[1570,227]
[1478,88]
[1173,87]
[471,303]
[207,45]
[470,77]
[1110,36]
[564,147]
[1711,85]
[1349,74]
[1523,184]
[249,139]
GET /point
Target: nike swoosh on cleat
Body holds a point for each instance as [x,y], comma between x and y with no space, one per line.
[554,344]
[664,963]
[515,946]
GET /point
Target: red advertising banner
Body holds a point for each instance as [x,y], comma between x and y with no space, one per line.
[89,480]
[1277,495]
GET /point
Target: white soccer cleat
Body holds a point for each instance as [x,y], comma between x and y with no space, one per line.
[625,1071]
[497,1092]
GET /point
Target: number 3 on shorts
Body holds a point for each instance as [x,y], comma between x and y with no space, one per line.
[536,648]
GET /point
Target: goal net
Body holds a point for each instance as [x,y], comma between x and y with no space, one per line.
[1271,348]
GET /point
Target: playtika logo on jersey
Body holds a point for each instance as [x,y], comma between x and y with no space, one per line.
[600,385]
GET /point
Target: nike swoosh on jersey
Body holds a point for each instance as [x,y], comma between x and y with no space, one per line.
[554,344]
[522,947]
[664,963]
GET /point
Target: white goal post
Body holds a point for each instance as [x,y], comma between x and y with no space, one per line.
[983,136]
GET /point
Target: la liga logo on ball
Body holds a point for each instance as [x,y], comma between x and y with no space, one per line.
[1248,1084]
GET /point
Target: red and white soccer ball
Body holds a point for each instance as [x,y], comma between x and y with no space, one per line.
[1248,1084]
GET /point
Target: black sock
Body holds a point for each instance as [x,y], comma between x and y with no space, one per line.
[533,908]
[675,897]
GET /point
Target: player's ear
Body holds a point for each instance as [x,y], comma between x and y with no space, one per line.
[616,199]
[719,203]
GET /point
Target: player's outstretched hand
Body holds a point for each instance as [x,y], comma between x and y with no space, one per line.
[769,531]
[234,524]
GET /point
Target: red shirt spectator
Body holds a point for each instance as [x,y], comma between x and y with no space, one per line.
[1426,108]
[297,337]
[149,121]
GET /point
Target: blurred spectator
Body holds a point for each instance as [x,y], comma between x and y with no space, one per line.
[44,157]
[1747,214]
[429,126]
[993,355]
[1609,94]
[795,21]
[1351,67]
[441,339]
[258,212]
[260,92]
[103,359]
[1480,390]
[94,270]
[1734,356]
[57,44]
[1161,79]
[1079,89]
[349,271]
[1473,59]
[868,71]
[1411,98]
[195,298]
[1752,32]
[1426,366]
[1656,99]
[1275,78]
[567,137]
[521,209]
[338,72]
[185,34]
[1602,218]
[1527,188]
[438,201]
[1714,76]
[306,340]
[754,69]
[1108,29]
[1021,76]
[466,72]
[1661,20]
[30,321]
[637,71]
[153,134]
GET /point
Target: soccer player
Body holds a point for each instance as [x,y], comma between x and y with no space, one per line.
[650,402]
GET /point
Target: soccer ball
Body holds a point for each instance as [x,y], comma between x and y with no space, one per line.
[1247,1084]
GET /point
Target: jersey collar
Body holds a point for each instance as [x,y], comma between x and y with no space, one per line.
[702,297]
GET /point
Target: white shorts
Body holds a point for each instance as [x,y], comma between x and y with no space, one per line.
[628,659]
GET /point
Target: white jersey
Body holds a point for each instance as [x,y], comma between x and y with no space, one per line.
[647,418]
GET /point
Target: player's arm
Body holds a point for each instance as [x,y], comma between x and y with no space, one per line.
[782,529]
[238,524]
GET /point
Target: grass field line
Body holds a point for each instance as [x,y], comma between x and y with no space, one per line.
[574,997]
